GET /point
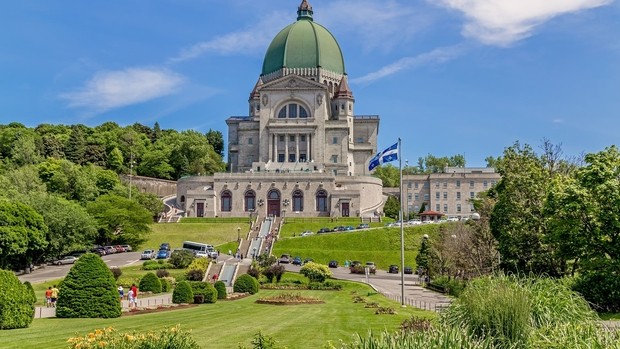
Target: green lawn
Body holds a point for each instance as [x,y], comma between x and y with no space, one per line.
[381,246]
[211,233]
[298,225]
[228,323]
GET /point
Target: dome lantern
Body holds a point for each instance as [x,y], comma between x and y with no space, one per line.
[304,11]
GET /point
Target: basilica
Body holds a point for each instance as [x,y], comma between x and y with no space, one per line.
[301,151]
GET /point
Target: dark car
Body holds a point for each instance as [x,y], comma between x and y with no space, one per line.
[164,246]
[347,228]
[99,250]
[333,264]
[393,269]
[163,254]
[296,261]
[324,230]
[408,270]
[355,263]
[284,259]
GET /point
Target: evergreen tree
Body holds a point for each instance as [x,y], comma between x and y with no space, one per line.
[76,144]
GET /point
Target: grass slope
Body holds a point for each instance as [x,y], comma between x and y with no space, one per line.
[381,246]
[226,324]
[298,225]
[211,233]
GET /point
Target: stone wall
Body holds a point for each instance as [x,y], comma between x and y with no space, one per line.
[159,187]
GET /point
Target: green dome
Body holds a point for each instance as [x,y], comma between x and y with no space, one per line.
[304,44]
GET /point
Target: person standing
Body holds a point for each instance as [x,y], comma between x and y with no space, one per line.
[121,292]
[135,294]
[48,297]
[132,298]
[54,296]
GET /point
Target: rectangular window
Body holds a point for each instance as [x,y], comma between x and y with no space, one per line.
[291,157]
[445,195]
[409,197]
[445,207]
[426,197]
[437,195]
[302,157]
[445,184]
[458,195]
[484,184]
[250,141]
[409,185]
[417,196]
[281,138]
[415,185]
[471,208]
[302,138]
[335,159]
[426,185]
[291,138]
[471,184]
[458,184]
[416,208]
[458,208]
[280,157]
[335,140]
[436,184]
[472,194]
[359,140]
[292,110]
[437,207]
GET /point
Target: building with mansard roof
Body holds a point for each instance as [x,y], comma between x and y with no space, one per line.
[301,151]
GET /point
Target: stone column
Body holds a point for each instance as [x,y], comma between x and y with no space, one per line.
[297,147]
[308,147]
[286,147]
[275,146]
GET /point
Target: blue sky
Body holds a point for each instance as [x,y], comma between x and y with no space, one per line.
[447,76]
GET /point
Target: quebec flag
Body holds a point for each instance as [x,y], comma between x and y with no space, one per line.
[390,154]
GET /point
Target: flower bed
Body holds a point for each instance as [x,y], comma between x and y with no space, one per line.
[155,309]
[289,299]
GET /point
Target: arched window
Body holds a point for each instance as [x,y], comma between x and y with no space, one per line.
[182,198]
[274,194]
[226,200]
[321,201]
[292,111]
[298,201]
[250,201]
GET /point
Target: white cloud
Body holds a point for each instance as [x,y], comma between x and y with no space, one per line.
[250,40]
[558,121]
[113,89]
[503,22]
[436,56]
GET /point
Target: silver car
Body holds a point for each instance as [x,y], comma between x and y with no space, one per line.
[148,254]
[66,260]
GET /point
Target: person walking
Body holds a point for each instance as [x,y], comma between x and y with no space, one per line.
[48,297]
[121,292]
[135,294]
[132,298]
[54,296]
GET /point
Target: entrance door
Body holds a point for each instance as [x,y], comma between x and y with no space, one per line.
[200,209]
[273,203]
[345,209]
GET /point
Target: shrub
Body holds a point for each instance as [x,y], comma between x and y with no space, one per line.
[117,272]
[158,266]
[150,283]
[201,263]
[162,273]
[194,275]
[274,271]
[167,338]
[182,293]
[450,286]
[220,287]
[165,285]
[315,272]
[600,286]
[16,302]
[204,289]
[181,259]
[31,292]
[88,291]
[246,283]
[254,272]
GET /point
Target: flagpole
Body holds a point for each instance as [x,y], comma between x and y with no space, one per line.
[402,229]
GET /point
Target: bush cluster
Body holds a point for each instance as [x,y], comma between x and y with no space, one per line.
[88,291]
[315,272]
[201,263]
[204,289]
[327,285]
[156,265]
[246,284]
[162,273]
[165,285]
[194,275]
[182,293]
[150,283]
[16,302]
[167,338]
[181,259]
[220,287]
[274,272]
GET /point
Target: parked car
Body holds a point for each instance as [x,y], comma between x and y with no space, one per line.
[355,263]
[306,233]
[408,270]
[119,248]
[339,228]
[371,266]
[148,254]
[347,228]
[164,246]
[333,264]
[66,260]
[163,254]
[363,226]
[285,259]
[99,250]
[127,248]
[109,249]
[324,230]
[296,261]
[393,269]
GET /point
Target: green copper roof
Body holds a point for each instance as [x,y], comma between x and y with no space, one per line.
[304,44]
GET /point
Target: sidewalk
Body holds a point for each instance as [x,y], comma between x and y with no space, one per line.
[165,298]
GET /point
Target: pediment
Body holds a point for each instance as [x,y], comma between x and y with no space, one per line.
[292,82]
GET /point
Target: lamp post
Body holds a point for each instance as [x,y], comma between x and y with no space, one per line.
[238,234]
[254,253]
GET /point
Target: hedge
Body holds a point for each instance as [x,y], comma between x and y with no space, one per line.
[16,302]
[182,293]
[150,283]
[246,283]
[220,287]
[204,289]
[88,291]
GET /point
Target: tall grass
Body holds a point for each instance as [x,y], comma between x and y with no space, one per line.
[574,336]
[435,338]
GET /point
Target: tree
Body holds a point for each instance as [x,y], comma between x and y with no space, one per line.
[388,174]
[115,160]
[22,235]
[120,220]
[16,302]
[88,291]
[216,139]
[150,283]
[76,145]
[392,207]
[424,257]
